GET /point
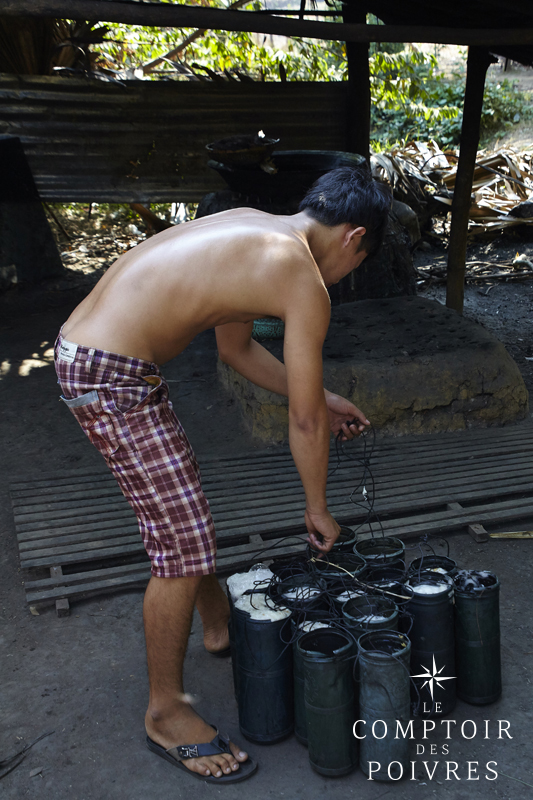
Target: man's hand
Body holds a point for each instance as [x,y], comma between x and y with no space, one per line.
[341,412]
[323,530]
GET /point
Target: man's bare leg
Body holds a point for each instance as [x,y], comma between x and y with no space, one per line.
[168,608]
[213,607]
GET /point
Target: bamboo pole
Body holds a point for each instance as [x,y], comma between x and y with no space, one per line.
[479,60]
[182,16]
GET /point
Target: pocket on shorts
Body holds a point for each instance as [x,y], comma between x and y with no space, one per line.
[127,399]
[95,420]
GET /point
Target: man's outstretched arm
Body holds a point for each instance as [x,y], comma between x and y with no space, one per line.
[237,348]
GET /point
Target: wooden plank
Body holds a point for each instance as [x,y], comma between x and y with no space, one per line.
[247,486]
[437,494]
[82,557]
[488,437]
[46,596]
[452,521]
[341,484]
[92,586]
[87,577]
[347,516]
[104,517]
[83,531]
[183,16]
[77,539]
[262,497]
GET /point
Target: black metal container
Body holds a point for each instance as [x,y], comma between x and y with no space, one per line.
[233,651]
[433,562]
[289,567]
[264,679]
[379,574]
[300,718]
[328,658]
[384,658]
[344,544]
[432,644]
[303,594]
[477,642]
[340,599]
[341,565]
[386,577]
[381,551]
[369,613]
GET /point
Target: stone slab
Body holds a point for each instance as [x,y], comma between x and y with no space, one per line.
[411,364]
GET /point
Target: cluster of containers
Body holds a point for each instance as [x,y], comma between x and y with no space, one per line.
[320,643]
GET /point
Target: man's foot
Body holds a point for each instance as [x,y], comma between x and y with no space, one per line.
[185,727]
[216,639]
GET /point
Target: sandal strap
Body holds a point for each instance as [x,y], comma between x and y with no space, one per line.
[219,744]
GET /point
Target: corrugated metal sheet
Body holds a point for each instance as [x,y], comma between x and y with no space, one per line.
[88,140]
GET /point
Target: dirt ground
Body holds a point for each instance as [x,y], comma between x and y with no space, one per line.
[84,677]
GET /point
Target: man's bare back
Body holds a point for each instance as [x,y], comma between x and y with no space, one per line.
[230,267]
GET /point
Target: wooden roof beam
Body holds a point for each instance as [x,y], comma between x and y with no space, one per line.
[182,16]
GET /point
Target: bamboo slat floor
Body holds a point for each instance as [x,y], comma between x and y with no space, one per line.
[84,535]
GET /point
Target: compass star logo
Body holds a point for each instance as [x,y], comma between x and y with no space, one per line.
[433,677]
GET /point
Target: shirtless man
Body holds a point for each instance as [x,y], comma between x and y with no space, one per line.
[221,271]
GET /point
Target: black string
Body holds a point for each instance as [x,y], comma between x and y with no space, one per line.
[366,485]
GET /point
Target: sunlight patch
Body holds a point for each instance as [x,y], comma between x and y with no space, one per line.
[36,361]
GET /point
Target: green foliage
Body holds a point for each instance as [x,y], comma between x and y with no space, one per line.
[409,97]
[410,100]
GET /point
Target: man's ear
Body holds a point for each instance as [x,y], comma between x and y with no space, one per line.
[353,233]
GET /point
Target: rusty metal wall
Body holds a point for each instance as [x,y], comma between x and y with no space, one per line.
[137,141]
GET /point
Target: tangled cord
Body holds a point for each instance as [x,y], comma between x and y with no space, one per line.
[366,479]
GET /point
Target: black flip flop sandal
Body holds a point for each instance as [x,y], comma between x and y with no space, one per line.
[220,744]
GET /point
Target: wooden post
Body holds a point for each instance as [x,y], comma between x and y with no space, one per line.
[358,110]
[479,60]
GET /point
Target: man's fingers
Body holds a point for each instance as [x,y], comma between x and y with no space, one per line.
[323,546]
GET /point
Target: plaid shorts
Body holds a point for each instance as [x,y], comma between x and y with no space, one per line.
[122,405]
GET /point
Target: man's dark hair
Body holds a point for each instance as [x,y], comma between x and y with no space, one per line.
[347,195]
